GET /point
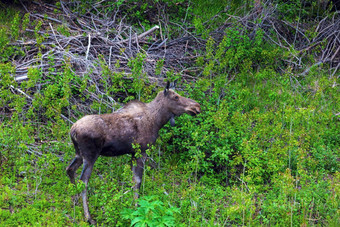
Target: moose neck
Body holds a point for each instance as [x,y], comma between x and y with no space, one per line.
[158,111]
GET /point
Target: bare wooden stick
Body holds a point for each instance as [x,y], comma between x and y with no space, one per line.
[55,35]
[143,34]
[148,32]
[88,47]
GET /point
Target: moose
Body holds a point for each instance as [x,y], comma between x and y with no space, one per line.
[114,134]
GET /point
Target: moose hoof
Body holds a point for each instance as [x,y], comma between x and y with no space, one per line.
[92,222]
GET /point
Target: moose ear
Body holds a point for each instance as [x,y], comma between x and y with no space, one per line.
[167,88]
[174,83]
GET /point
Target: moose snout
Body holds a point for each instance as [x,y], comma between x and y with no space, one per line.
[198,108]
[194,109]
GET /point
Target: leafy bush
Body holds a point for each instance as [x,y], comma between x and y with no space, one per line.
[151,212]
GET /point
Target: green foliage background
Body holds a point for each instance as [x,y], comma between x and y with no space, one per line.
[264,151]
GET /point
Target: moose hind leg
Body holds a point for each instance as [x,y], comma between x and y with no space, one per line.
[85,176]
[72,168]
[138,170]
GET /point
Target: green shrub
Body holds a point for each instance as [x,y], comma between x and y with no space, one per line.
[151,212]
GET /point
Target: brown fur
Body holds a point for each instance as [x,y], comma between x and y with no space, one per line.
[113,134]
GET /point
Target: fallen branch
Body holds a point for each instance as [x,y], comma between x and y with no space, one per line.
[88,47]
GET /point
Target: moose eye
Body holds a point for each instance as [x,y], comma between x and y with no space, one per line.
[176,98]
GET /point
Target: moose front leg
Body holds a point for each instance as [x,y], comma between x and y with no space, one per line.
[138,170]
